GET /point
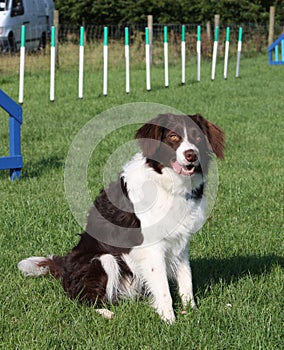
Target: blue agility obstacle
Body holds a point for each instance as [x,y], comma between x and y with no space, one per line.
[14,161]
[273,51]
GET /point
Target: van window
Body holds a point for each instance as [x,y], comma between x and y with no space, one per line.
[4,5]
[17,8]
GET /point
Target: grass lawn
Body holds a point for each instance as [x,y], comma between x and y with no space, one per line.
[237,258]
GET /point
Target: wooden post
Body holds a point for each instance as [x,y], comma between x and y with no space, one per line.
[271,25]
[208,30]
[85,31]
[216,22]
[150,27]
[56,25]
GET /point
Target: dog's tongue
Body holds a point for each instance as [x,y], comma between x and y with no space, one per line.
[179,169]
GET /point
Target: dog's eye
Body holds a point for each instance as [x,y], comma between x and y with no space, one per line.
[174,137]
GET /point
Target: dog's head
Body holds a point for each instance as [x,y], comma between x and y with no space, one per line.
[184,143]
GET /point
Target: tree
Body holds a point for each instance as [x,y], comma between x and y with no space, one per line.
[167,11]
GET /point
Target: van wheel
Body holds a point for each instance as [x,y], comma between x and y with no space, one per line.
[12,43]
[42,42]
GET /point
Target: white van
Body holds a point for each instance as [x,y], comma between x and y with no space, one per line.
[36,15]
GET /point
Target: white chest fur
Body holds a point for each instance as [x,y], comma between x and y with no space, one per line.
[163,204]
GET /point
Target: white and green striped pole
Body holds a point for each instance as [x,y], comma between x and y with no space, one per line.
[81,63]
[52,64]
[215,49]
[198,52]
[105,60]
[227,46]
[147,49]
[166,56]
[127,61]
[183,54]
[22,64]
[239,52]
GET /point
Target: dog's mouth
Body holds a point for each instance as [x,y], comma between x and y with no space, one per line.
[186,170]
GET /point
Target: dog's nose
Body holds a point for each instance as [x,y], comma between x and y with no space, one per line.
[190,155]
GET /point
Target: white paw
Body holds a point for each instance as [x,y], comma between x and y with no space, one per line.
[168,316]
[30,266]
[105,313]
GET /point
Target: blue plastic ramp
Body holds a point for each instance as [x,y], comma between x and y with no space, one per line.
[14,161]
[274,51]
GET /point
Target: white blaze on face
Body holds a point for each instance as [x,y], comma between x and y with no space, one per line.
[185,146]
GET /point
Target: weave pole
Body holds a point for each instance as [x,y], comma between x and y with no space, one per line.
[239,52]
[81,63]
[183,55]
[147,49]
[105,60]
[52,64]
[215,49]
[166,56]
[227,46]
[22,65]
[127,62]
[198,52]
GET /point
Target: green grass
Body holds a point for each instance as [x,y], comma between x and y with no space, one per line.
[237,258]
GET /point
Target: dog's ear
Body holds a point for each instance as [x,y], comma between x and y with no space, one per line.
[213,133]
[149,137]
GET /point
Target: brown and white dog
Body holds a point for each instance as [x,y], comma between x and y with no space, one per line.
[138,229]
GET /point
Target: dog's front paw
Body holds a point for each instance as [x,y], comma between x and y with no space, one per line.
[168,316]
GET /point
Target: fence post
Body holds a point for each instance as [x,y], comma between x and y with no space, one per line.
[85,31]
[56,25]
[208,31]
[216,21]
[150,28]
[271,25]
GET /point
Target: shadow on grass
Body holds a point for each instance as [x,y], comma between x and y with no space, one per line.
[42,166]
[34,169]
[208,271]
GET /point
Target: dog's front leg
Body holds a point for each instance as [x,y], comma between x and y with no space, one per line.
[184,280]
[153,270]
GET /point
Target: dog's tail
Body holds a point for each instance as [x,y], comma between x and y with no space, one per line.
[37,266]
